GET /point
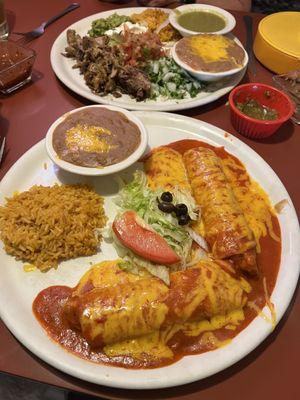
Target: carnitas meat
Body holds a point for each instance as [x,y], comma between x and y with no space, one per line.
[135,82]
[103,68]
[98,62]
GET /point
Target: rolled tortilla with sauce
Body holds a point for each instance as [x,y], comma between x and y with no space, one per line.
[226,228]
[109,308]
[165,170]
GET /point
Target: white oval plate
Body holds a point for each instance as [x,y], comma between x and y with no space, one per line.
[62,67]
[18,289]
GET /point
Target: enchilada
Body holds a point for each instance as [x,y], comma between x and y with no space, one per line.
[165,170]
[107,314]
[226,228]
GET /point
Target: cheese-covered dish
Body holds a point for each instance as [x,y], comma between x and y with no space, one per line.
[199,249]
[210,53]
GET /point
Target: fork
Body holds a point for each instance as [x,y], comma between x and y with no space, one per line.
[37,32]
[2,148]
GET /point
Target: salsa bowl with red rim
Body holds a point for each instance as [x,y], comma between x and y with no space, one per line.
[265,95]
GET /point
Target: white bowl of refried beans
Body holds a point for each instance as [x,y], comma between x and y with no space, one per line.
[210,57]
[96,140]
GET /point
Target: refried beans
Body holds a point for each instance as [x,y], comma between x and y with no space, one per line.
[210,53]
[95,137]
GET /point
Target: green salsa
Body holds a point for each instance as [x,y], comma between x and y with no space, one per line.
[254,109]
[201,21]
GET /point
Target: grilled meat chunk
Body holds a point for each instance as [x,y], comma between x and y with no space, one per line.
[102,66]
[98,62]
[135,82]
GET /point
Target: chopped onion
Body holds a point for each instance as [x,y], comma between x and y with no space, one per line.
[168,76]
[171,86]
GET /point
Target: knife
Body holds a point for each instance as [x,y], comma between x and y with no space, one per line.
[249,44]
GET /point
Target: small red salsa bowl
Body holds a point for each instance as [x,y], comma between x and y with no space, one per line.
[267,96]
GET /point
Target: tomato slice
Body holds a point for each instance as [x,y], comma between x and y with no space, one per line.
[139,237]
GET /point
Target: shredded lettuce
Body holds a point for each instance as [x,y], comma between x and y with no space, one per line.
[135,265]
[137,196]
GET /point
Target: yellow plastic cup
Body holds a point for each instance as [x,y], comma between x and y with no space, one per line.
[277,42]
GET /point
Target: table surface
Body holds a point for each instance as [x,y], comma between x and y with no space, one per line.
[270,371]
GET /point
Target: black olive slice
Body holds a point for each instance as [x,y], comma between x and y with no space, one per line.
[184,219]
[167,197]
[166,207]
[181,209]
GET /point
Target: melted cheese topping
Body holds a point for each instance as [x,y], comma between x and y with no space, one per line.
[214,287]
[138,308]
[29,267]
[232,319]
[226,228]
[209,287]
[88,138]
[155,344]
[252,199]
[271,319]
[198,227]
[245,285]
[123,314]
[210,48]
[165,169]
[102,275]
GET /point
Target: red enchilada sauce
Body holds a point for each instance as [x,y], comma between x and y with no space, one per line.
[48,305]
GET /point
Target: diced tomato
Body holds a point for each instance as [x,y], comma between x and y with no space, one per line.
[139,237]
[133,44]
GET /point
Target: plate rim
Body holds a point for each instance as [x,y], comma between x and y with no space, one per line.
[137,106]
[152,383]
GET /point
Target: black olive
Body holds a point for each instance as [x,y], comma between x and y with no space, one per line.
[167,197]
[166,207]
[181,209]
[184,219]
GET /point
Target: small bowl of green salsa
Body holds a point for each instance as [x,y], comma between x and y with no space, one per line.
[254,109]
[258,110]
[192,19]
